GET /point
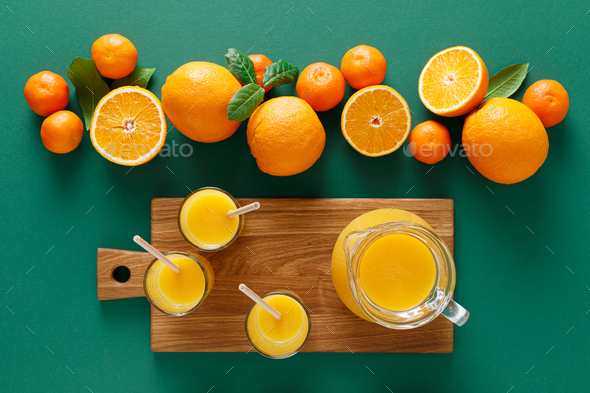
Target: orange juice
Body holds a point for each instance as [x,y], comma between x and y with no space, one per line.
[391,268]
[203,219]
[186,287]
[178,293]
[339,267]
[278,338]
[397,272]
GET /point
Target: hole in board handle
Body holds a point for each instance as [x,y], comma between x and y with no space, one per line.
[121,274]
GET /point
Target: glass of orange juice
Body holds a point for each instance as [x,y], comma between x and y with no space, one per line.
[203,220]
[278,339]
[178,293]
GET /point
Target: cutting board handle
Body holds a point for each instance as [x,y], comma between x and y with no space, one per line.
[107,260]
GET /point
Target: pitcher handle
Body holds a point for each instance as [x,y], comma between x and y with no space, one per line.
[455,313]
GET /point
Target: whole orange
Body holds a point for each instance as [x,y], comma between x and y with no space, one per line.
[321,85]
[505,141]
[363,66]
[260,63]
[114,56]
[285,136]
[62,132]
[430,142]
[195,99]
[549,100]
[47,93]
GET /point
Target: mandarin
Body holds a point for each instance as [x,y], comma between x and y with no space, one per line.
[430,142]
[549,100]
[260,63]
[114,55]
[321,85]
[363,66]
[62,132]
[47,93]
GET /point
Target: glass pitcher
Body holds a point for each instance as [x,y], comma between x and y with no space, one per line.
[438,301]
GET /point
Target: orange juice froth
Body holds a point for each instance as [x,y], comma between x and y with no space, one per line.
[397,272]
[204,221]
[274,337]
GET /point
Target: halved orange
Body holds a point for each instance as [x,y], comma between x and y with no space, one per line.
[128,126]
[376,121]
[453,82]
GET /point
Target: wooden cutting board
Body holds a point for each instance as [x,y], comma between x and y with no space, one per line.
[285,245]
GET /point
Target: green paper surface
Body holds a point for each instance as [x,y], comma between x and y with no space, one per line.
[521,250]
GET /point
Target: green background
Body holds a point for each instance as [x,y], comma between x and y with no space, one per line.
[522,296]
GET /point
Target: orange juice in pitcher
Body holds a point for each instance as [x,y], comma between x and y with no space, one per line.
[390,267]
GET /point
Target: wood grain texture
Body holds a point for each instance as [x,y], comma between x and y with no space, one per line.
[287,245]
[107,260]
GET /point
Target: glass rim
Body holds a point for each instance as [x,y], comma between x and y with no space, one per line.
[189,241]
[205,291]
[308,325]
[443,260]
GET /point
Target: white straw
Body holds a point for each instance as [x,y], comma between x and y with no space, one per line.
[149,248]
[250,293]
[243,209]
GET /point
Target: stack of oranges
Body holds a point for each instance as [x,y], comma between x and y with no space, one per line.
[505,140]
[322,85]
[375,121]
[135,135]
[48,94]
[515,132]
[130,137]
[285,134]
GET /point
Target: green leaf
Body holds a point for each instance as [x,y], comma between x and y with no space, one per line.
[89,86]
[244,102]
[138,77]
[506,81]
[240,66]
[279,73]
